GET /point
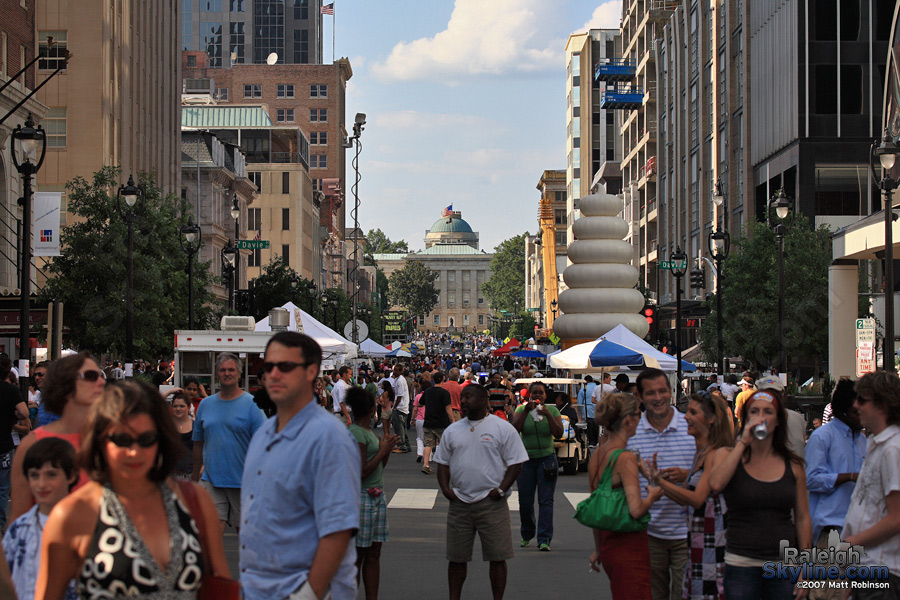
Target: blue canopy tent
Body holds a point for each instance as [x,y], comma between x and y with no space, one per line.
[528,354]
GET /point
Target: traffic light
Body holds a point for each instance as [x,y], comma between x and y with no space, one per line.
[698,278]
[651,313]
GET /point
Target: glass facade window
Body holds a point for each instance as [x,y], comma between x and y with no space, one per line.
[187,24]
[268,30]
[212,42]
[236,41]
[210,5]
[237,6]
[301,46]
[301,9]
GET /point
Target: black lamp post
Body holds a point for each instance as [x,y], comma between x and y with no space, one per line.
[782,205]
[228,259]
[190,243]
[236,214]
[719,243]
[886,153]
[29,148]
[679,268]
[553,305]
[127,204]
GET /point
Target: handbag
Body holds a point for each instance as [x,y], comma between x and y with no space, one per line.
[606,508]
[212,586]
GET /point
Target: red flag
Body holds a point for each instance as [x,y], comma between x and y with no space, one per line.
[328,9]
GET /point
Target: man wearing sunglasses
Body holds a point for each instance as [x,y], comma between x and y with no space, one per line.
[300,493]
[224,425]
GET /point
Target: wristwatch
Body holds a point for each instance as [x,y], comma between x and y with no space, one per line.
[505,494]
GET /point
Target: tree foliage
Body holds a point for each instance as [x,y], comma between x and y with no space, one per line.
[377,242]
[750,295]
[336,309]
[279,284]
[89,276]
[505,288]
[412,287]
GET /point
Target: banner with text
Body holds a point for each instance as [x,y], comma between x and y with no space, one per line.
[395,322]
[45,240]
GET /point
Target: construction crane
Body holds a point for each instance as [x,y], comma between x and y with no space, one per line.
[548,254]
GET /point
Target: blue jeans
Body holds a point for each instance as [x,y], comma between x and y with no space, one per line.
[5,471]
[747,583]
[531,477]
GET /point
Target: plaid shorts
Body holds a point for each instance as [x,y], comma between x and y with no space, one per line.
[372,520]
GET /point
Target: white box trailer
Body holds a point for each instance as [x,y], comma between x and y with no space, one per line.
[196,353]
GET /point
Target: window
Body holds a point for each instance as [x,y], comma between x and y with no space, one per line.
[286,254]
[318,90]
[465,319]
[318,161]
[285,90]
[318,115]
[212,42]
[318,138]
[301,9]
[237,5]
[256,178]
[301,46]
[254,219]
[451,299]
[222,94]
[284,115]
[54,57]
[191,60]
[451,275]
[210,5]
[285,218]
[467,275]
[481,301]
[255,258]
[285,183]
[481,319]
[559,216]
[55,126]
[437,320]
[252,90]
[466,298]
[236,29]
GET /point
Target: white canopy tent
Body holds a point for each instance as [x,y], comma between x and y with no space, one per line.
[370,348]
[332,343]
[624,337]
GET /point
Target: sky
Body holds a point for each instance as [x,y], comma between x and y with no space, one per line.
[465,106]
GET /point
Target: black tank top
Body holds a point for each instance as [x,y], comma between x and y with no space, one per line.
[759,513]
[119,564]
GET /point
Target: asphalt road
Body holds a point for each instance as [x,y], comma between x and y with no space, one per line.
[413,563]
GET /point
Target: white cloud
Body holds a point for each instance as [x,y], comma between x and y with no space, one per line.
[606,16]
[482,38]
[414,121]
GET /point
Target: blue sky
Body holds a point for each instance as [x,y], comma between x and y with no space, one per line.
[465,104]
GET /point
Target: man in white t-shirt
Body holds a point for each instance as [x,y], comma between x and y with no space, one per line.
[345,374]
[603,389]
[478,460]
[400,409]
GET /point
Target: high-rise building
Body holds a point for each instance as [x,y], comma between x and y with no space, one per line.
[250,31]
[592,137]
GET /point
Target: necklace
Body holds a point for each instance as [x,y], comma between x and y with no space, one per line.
[472,428]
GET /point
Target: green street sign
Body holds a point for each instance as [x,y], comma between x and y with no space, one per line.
[532,310]
[668,265]
[252,244]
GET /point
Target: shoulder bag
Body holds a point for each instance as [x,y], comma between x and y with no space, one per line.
[212,587]
[606,508]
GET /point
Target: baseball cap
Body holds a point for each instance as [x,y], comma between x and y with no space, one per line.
[770,383]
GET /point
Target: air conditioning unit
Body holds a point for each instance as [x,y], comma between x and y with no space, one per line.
[234,323]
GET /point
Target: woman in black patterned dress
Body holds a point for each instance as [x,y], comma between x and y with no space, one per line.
[127,533]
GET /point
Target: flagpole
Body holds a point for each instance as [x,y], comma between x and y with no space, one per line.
[333,27]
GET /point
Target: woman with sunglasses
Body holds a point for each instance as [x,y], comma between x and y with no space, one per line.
[128,529]
[72,385]
[184,425]
[764,485]
[708,421]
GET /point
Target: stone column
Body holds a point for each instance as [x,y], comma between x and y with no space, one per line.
[843,302]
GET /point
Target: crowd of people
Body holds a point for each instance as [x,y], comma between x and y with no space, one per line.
[298,469]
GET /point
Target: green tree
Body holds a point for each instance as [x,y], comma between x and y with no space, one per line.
[412,287]
[750,296]
[336,310]
[90,274]
[505,288]
[279,284]
[379,243]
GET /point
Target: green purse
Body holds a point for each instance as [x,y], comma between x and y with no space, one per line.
[606,508]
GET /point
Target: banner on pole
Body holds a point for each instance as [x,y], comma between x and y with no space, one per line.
[46,223]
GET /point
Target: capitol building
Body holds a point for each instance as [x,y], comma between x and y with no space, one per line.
[451,249]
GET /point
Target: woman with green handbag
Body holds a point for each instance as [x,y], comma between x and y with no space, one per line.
[620,545]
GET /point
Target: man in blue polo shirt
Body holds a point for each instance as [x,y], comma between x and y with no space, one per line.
[585,401]
[663,431]
[301,486]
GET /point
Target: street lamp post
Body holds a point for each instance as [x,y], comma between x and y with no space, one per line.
[553,305]
[679,268]
[127,205]
[719,243]
[358,126]
[29,148]
[190,243]
[236,273]
[228,260]
[886,153]
[782,205]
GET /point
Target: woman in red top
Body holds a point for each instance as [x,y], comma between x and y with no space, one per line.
[72,385]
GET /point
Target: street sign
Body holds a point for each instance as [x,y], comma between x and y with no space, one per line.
[668,265]
[252,244]
[532,310]
[865,346]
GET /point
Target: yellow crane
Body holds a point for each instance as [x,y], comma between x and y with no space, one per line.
[548,254]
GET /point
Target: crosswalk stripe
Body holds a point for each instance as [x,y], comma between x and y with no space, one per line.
[424,499]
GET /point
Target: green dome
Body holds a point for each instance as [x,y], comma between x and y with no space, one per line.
[452,224]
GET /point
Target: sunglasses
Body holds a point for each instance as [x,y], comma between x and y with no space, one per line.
[91,376]
[284,366]
[124,440]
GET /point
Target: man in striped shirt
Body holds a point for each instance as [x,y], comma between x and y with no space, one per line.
[663,431]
